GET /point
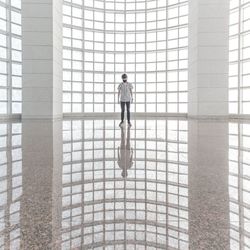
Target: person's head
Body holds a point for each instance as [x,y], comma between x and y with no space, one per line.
[124,77]
[124,173]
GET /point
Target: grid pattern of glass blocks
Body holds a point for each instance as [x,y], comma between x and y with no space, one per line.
[239,185]
[10,185]
[239,57]
[10,57]
[148,208]
[146,39]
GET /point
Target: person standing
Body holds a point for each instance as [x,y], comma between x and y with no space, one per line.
[125,98]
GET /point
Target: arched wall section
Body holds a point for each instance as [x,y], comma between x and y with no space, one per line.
[146,39]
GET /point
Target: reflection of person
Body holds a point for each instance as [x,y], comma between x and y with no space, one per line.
[125,153]
[125,96]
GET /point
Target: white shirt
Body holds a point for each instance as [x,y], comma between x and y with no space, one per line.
[124,88]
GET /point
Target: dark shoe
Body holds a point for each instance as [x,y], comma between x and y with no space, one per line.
[129,124]
[120,124]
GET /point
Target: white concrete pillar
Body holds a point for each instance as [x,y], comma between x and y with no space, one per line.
[42,58]
[208,58]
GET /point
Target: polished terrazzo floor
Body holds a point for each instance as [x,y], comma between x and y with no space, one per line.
[88,184]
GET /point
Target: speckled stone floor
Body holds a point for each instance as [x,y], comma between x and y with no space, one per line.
[89,184]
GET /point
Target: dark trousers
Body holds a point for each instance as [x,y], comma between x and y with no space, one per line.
[123,110]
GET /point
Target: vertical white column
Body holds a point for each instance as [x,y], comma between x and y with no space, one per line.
[42,58]
[208,58]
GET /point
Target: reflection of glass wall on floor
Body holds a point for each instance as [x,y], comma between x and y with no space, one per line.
[239,185]
[146,39]
[10,185]
[147,208]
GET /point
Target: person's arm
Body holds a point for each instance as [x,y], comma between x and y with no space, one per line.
[119,158]
[131,93]
[119,93]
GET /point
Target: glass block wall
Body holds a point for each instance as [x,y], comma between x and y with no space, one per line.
[239,57]
[10,57]
[146,39]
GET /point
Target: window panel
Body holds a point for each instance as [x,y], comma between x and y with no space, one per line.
[10,54]
[239,57]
